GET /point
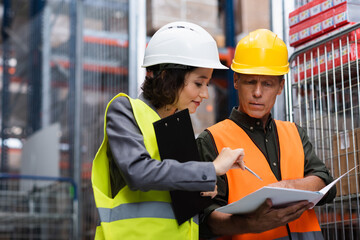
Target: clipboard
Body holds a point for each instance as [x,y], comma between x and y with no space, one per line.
[176,140]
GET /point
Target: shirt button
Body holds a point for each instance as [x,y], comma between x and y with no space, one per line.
[204,177]
[266,140]
[257,123]
[274,163]
[251,128]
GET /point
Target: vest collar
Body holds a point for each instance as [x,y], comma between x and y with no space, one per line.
[142,98]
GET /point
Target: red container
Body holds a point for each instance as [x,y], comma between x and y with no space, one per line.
[315,7]
[326,5]
[341,15]
[294,33]
[334,14]
[315,63]
[294,17]
[338,2]
[304,12]
[327,22]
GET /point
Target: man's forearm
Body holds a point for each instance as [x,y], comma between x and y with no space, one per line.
[223,224]
[309,183]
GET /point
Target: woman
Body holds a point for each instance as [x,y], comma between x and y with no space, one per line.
[131,186]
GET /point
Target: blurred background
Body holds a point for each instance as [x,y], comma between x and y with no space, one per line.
[63,60]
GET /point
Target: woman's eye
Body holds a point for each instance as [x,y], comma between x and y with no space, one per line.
[198,84]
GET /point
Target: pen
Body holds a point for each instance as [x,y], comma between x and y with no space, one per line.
[253,173]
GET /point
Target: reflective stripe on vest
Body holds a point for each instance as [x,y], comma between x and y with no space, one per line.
[137,210]
[303,236]
[242,183]
[135,214]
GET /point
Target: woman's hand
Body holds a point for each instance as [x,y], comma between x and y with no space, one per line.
[229,159]
[210,194]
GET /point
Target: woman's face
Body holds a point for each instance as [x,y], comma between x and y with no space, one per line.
[195,89]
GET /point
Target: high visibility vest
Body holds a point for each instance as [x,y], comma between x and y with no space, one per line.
[241,183]
[135,214]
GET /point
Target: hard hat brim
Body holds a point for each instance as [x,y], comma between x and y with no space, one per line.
[162,59]
[271,71]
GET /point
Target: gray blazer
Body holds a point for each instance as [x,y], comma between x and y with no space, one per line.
[130,163]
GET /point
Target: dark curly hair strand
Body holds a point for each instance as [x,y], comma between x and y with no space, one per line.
[162,88]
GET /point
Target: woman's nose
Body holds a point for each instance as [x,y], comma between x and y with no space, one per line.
[204,93]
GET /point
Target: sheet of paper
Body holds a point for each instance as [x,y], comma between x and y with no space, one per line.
[330,185]
[280,197]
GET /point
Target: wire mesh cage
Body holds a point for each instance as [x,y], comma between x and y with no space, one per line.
[324,99]
[41,42]
[36,207]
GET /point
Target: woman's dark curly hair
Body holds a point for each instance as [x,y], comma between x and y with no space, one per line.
[162,88]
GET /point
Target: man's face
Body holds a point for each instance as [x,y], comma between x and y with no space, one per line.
[257,94]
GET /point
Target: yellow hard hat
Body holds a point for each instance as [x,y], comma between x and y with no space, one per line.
[261,53]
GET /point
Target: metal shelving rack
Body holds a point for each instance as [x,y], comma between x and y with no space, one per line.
[323,97]
[34,207]
[68,59]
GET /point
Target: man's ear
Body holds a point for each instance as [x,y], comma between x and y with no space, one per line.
[282,83]
[236,80]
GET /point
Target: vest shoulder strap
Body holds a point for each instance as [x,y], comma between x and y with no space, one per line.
[291,147]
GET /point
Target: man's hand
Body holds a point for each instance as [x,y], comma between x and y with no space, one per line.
[263,219]
[266,218]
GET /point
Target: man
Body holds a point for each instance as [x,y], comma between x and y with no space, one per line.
[280,152]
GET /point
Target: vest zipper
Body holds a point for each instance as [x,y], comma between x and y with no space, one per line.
[288,230]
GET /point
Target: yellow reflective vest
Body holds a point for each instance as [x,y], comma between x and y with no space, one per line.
[135,214]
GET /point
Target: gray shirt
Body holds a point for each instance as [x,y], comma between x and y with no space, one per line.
[130,163]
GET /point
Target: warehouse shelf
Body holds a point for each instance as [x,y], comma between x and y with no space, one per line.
[324,100]
[41,207]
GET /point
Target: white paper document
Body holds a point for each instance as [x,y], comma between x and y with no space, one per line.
[280,197]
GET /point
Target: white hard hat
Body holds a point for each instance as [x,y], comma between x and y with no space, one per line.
[183,43]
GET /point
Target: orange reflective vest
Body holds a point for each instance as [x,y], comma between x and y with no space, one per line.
[241,183]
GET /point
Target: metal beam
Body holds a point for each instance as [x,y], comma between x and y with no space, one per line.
[75,104]
[230,42]
[6,23]
[35,96]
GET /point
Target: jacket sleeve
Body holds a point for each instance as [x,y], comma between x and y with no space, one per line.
[315,167]
[138,169]
[208,152]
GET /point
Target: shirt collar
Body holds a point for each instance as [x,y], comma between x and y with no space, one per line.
[245,121]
